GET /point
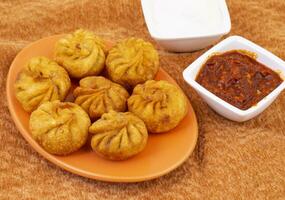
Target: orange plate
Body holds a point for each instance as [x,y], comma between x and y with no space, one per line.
[163,153]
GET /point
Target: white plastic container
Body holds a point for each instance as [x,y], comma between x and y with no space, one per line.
[186,25]
[222,107]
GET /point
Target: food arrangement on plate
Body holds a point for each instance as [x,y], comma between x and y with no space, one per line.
[117,111]
[79,92]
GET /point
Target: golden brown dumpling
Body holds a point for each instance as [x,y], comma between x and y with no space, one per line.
[98,95]
[41,80]
[159,104]
[132,61]
[60,127]
[118,136]
[81,53]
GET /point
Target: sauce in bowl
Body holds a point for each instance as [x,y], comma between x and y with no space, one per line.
[237,78]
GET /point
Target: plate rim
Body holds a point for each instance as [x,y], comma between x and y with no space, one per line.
[70,168]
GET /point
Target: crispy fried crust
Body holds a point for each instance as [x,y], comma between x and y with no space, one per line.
[132,61]
[60,127]
[98,95]
[161,105]
[118,136]
[81,53]
[41,80]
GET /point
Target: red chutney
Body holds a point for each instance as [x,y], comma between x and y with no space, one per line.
[238,78]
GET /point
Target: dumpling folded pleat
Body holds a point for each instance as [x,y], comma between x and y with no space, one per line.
[60,127]
[132,61]
[161,105]
[41,80]
[118,136]
[98,95]
[81,53]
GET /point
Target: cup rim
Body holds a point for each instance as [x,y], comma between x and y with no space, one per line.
[225,29]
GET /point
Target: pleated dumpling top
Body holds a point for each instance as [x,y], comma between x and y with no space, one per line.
[118,135]
[98,95]
[60,127]
[132,61]
[41,80]
[81,53]
[160,104]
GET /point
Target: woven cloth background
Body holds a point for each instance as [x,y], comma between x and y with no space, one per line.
[231,160]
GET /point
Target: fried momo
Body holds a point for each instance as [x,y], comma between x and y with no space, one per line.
[159,104]
[60,127]
[81,53]
[98,95]
[118,136]
[41,80]
[132,61]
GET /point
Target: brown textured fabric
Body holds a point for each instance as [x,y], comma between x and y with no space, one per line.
[231,160]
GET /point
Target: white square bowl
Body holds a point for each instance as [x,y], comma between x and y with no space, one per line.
[222,107]
[186,25]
